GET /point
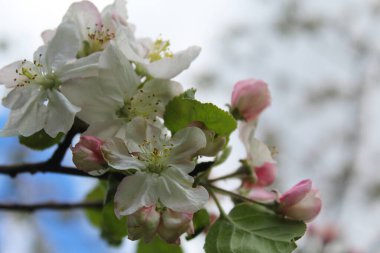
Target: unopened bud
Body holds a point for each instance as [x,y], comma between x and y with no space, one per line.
[143,224]
[88,157]
[174,224]
[301,202]
[249,98]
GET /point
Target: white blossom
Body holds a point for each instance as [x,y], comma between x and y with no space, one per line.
[35,100]
[162,165]
[118,96]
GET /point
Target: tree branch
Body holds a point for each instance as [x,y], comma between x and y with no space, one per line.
[50,206]
[44,167]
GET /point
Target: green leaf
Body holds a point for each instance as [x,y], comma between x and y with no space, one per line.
[223,156]
[251,228]
[113,230]
[157,246]
[96,194]
[180,112]
[40,140]
[201,220]
[188,94]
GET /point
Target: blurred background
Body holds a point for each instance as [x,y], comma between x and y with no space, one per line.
[321,61]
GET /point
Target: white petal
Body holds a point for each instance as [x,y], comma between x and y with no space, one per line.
[47,35]
[247,131]
[83,14]
[63,46]
[28,111]
[116,153]
[259,153]
[125,41]
[186,143]
[168,68]
[135,192]
[118,76]
[81,68]
[176,192]
[96,105]
[139,131]
[60,114]
[164,90]
[8,74]
[107,129]
[115,15]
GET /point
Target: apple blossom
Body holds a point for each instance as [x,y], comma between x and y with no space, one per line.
[88,157]
[143,223]
[263,176]
[154,57]
[260,194]
[148,221]
[118,96]
[249,98]
[301,202]
[95,29]
[35,99]
[173,224]
[162,165]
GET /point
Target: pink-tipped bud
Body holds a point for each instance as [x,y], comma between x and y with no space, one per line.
[88,157]
[301,202]
[143,224]
[265,174]
[262,195]
[174,224]
[249,98]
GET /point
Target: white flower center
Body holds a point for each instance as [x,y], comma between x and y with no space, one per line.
[37,74]
[143,104]
[98,38]
[160,50]
[155,155]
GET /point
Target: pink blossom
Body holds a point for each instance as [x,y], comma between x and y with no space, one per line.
[249,98]
[143,223]
[173,224]
[301,202]
[87,155]
[260,194]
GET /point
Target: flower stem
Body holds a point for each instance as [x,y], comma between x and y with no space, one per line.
[240,197]
[231,175]
[221,210]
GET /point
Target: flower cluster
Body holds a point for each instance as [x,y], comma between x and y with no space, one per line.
[140,124]
[301,202]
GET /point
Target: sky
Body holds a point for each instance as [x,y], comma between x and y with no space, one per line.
[238,41]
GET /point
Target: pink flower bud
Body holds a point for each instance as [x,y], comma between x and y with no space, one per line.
[259,194]
[249,98]
[301,202]
[263,175]
[143,224]
[88,157]
[174,224]
[266,174]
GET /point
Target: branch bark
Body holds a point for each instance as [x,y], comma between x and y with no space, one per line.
[44,167]
[50,206]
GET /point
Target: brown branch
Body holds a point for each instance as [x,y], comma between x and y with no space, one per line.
[44,167]
[50,206]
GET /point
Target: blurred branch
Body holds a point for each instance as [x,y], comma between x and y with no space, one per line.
[53,164]
[14,170]
[50,206]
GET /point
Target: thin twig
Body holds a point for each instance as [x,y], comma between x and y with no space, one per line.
[240,197]
[50,206]
[238,174]
[44,167]
[221,210]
